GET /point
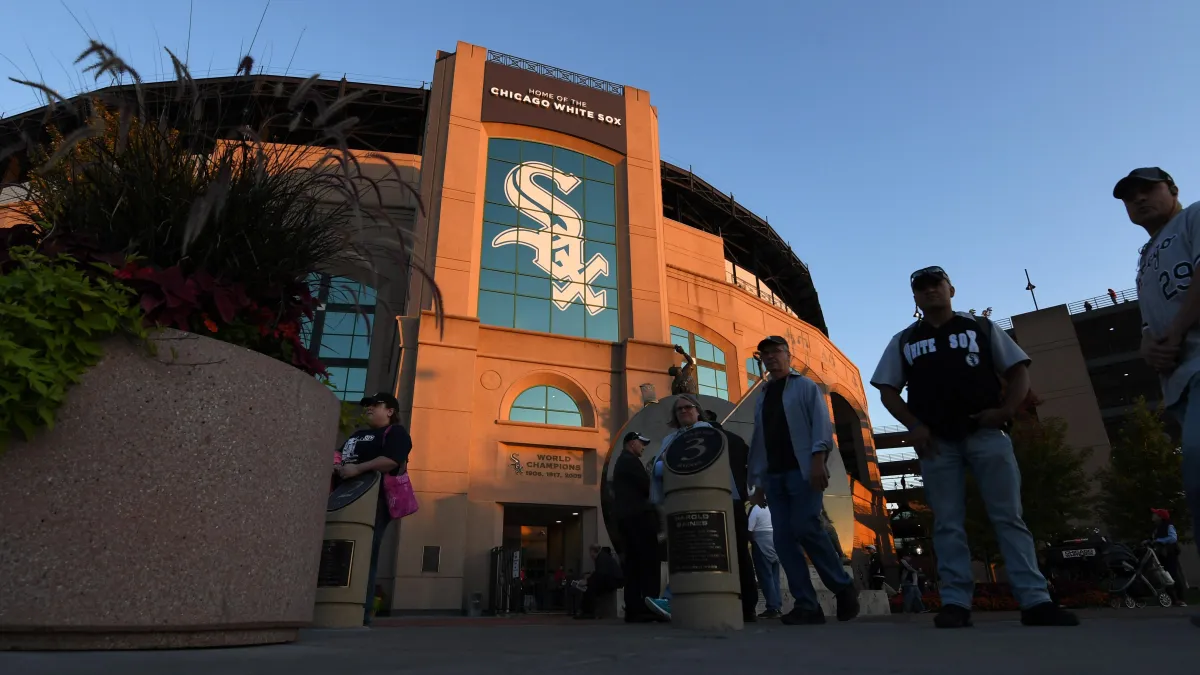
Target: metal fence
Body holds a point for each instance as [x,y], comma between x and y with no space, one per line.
[556,73]
[1086,305]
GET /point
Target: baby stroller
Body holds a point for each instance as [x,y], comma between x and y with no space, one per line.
[1137,575]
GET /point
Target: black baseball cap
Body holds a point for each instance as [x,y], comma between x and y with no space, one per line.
[1149,174]
[382,397]
[771,341]
[632,435]
[936,273]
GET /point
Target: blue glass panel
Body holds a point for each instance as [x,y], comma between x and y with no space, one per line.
[336,346]
[708,391]
[604,325]
[496,309]
[681,341]
[497,173]
[533,314]
[610,297]
[706,376]
[557,399]
[568,322]
[609,253]
[360,348]
[537,152]
[491,280]
[534,397]
[594,169]
[722,381]
[503,257]
[600,201]
[718,356]
[569,203]
[533,243]
[527,415]
[704,350]
[495,213]
[337,377]
[534,287]
[564,419]
[338,323]
[677,331]
[356,379]
[598,232]
[568,161]
[505,149]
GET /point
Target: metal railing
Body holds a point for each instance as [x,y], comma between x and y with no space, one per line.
[906,482]
[556,73]
[895,455]
[762,294]
[1086,305]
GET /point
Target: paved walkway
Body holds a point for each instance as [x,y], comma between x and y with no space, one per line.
[1135,641]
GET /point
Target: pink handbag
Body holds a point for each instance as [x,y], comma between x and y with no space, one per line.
[398,491]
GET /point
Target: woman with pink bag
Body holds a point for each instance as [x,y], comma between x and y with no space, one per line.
[383,446]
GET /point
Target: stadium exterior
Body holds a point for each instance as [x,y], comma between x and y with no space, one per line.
[571,259]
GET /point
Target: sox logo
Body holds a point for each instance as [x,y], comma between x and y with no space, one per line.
[554,253]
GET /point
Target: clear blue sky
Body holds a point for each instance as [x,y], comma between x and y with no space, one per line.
[877,137]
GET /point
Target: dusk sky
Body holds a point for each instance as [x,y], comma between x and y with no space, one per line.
[877,137]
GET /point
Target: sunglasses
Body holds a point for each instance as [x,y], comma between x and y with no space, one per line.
[928,272]
[685,408]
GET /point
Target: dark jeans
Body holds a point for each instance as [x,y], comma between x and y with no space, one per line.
[382,518]
[596,587]
[643,571]
[741,531]
[1170,563]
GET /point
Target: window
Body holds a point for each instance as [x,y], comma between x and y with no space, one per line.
[549,259]
[710,362]
[341,327]
[546,405]
[754,371]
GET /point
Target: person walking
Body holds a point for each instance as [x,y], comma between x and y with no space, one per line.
[956,414]
[1170,311]
[766,561]
[1166,547]
[637,524]
[910,586]
[793,437]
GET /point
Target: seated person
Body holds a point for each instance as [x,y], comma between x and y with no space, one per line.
[606,578]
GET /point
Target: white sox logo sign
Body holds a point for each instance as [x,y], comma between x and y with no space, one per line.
[557,244]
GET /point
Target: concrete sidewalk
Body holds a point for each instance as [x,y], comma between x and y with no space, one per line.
[1109,642]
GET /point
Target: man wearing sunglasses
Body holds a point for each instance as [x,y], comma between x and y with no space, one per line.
[957,411]
[1170,310]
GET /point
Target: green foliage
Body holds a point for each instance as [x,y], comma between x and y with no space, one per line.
[1145,471]
[1055,490]
[352,418]
[54,316]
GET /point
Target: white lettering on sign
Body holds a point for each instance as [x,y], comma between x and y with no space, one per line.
[562,104]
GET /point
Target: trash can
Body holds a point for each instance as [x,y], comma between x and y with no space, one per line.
[346,552]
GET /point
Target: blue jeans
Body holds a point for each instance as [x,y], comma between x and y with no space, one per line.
[1187,411]
[989,455]
[768,576]
[796,517]
[912,599]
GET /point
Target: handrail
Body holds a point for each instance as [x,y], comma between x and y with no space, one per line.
[556,73]
[1086,305]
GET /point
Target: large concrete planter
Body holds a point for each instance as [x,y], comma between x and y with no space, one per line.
[178,502]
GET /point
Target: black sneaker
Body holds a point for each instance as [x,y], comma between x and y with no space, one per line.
[803,617]
[847,603]
[749,617]
[770,614]
[1048,614]
[953,616]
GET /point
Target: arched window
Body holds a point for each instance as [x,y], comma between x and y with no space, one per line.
[341,326]
[754,371]
[546,405]
[710,362]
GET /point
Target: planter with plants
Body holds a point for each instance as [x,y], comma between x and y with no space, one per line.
[165,434]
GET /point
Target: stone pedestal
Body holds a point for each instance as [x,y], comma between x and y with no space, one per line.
[702,558]
[346,553]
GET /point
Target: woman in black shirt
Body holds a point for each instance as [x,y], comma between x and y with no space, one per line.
[383,446]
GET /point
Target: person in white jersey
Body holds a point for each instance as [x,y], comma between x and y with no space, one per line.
[766,561]
[1170,311]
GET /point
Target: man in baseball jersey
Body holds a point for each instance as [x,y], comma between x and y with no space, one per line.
[956,413]
[1170,311]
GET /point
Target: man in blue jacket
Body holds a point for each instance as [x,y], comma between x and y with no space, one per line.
[793,437]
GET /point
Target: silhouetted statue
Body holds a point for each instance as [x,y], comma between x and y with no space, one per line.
[685,377]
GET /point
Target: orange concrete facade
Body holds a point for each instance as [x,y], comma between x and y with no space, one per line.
[458,382]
